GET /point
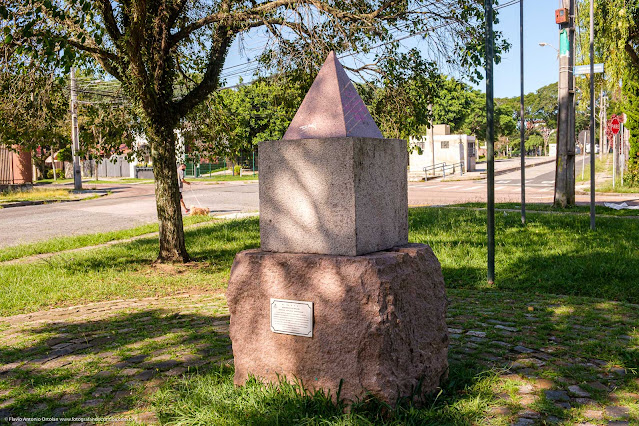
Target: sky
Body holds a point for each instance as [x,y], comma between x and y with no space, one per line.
[540,63]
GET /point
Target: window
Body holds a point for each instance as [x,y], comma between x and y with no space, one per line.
[445,145]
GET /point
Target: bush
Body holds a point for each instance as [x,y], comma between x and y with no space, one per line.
[60,174]
[236,170]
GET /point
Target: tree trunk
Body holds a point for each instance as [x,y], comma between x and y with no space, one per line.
[167,194]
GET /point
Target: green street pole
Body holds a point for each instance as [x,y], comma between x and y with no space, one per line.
[490,139]
[592,116]
[522,144]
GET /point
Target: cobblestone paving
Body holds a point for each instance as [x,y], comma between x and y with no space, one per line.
[551,359]
[107,359]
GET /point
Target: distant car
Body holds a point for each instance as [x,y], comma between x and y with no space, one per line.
[588,149]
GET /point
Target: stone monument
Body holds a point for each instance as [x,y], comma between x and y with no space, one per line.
[336,296]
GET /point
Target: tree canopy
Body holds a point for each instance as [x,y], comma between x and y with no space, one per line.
[169,54]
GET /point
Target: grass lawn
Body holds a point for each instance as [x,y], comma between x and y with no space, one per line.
[545,207]
[55,245]
[39,194]
[623,189]
[580,339]
[552,254]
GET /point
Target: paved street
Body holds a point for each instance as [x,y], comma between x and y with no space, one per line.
[133,205]
[128,206]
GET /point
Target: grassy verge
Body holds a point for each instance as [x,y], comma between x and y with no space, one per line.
[543,207]
[118,180]
[39,194]
[601,166]
[622,189]
[55,245]
[223,178]
[50,181]
[552,254]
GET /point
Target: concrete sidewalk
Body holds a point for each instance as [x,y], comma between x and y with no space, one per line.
[501,167]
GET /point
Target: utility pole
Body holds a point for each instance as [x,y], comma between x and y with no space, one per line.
[490,140]
[522,144]
[565,166]
[592,116]
[75,139]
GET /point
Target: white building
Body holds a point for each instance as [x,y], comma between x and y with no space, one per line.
[446,148]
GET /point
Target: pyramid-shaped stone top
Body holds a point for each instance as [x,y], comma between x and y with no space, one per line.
[332,108]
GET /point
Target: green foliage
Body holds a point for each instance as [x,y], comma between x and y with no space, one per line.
[534,141]
[33,112]
[231,121]
[631,92]
[236,170]
[617,37]
[454,104]
[399,100]
[59,174]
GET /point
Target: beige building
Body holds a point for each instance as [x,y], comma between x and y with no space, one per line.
[447,148]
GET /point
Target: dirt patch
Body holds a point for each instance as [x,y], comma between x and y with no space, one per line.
[173,269]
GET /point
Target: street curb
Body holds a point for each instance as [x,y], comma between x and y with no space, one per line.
[41,202]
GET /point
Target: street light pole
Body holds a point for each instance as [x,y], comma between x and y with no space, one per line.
[490,140]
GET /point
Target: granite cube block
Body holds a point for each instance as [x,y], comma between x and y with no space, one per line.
[340,196]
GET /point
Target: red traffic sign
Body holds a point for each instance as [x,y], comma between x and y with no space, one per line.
[615,126]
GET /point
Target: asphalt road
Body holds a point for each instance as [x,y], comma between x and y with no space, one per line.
[132,205]
[127,206]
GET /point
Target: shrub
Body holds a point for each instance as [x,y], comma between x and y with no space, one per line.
[60,174]
[236,170]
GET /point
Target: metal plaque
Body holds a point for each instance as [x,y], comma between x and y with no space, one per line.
[292,317]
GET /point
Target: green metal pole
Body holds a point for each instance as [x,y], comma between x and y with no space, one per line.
[592,117]
[490,140]
[522,143]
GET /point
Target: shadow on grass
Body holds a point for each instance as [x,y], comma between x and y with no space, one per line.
[106,367]
[556,254]
[216,243]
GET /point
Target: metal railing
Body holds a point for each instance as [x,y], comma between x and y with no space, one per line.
[443,167]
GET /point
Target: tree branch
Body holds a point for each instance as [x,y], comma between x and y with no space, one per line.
[109,20]
[210,81]
[634,57]
[257,13]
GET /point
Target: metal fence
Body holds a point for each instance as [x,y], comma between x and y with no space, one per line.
[6,167]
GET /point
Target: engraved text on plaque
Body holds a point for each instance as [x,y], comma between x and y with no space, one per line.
[292,317]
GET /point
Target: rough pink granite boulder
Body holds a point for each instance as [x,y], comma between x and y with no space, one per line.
[379,320]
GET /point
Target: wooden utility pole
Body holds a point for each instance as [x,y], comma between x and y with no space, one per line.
[75,139]
[565,166]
